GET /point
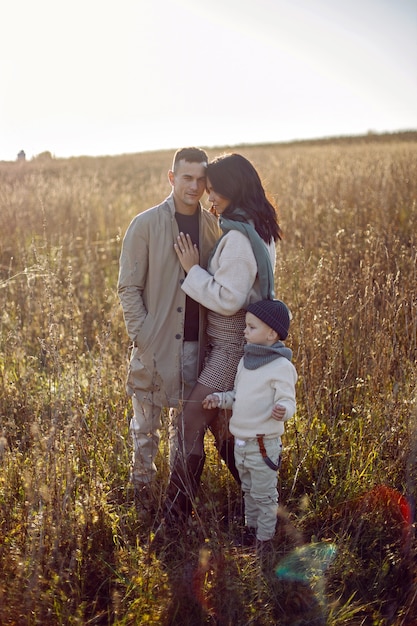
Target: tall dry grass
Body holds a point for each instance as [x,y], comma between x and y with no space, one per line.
[72,550]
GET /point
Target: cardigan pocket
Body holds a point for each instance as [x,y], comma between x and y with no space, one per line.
[141,376]
[145,334]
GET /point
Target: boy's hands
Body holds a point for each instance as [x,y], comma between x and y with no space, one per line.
[278,412]
[211,402]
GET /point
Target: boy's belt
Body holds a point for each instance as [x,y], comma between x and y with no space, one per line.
[262,450]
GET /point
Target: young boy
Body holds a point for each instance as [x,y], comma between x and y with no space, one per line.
[263,399]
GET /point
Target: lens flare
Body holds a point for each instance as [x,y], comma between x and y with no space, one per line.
[306,563]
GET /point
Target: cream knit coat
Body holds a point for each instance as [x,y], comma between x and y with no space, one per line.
[230,283]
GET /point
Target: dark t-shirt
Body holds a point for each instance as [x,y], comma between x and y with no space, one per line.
[189,224]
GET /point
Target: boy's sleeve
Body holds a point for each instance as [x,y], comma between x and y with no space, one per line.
[284,387]
[226,398]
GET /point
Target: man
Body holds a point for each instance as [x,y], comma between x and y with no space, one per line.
[165,326]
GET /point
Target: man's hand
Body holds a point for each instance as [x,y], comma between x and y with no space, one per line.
[187,252]
[211,401]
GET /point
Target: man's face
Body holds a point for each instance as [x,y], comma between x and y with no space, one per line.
[188,184]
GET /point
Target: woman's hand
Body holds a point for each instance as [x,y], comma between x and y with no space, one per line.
[187,252]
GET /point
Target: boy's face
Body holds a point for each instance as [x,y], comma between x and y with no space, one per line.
[258,332]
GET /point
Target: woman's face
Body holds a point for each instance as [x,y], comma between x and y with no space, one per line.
[219,202]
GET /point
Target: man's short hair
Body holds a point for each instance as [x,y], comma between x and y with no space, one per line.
[191,155]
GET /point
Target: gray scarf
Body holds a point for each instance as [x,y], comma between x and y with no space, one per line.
[263,261]
[255,355]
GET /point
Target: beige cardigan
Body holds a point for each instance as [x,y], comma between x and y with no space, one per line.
[153,303]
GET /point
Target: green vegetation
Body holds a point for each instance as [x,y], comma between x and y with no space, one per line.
[72,550]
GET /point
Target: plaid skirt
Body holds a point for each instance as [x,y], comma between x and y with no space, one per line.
[224,351]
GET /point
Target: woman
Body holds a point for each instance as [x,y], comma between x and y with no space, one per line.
[240,271]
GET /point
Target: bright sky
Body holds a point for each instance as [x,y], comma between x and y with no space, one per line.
[96,77]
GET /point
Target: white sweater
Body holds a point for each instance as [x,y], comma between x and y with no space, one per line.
[231,282]
[255,394]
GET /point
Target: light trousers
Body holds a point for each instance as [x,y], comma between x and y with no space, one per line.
[259,484]
[145,424]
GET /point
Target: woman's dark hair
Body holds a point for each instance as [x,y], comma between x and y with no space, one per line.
[234,177]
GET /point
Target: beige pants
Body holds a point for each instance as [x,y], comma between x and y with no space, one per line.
[145,424]
[259,484]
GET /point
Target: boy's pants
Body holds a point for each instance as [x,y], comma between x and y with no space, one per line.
[259,484]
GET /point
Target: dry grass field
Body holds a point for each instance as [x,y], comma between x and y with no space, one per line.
[72,551]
